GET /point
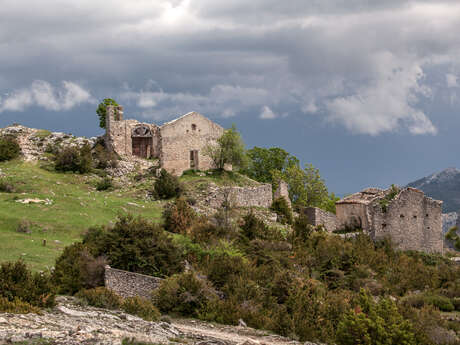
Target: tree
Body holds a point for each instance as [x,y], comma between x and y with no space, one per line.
[229,150]
[102,110]
[264,161]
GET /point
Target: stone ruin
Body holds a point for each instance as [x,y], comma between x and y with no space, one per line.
[410,219]
[317,217]
[178,144]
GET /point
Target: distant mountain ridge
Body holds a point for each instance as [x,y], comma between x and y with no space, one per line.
[444,185]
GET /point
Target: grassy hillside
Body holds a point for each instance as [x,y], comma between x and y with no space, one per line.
[76,205]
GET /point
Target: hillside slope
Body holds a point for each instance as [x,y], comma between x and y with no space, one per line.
[61,207]
[444,185]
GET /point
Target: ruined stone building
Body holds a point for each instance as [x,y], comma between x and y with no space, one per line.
[177,144]
[410,219]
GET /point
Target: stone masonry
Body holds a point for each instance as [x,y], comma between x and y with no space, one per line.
[129,284]
[317,216]
[410,219]
[282,192]
[178,144]
[239,196]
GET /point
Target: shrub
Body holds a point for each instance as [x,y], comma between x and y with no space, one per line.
[441,302]
[74,159]
[100,297]
[141,307]
[24,227]
[104,159]
[253,227]
[17,282]
[179,216]
[283,210]
[104,184]
[17,306]
[456,303]
[375,323]
[184,293]
[167,186]
[136,245]
[9,148]
[77,269]
[6,186]
[302,228]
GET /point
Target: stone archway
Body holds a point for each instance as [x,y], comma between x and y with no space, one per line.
[141,137]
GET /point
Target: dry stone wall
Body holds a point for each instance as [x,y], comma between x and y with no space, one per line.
[317,216]
[260,196]
[129,284]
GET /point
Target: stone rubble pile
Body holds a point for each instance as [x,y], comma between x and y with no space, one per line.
[70,323]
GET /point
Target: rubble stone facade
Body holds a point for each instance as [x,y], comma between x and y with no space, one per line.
[410,219]
[317,216]
[260,196]
[129,284]
[282,192]
[178,144]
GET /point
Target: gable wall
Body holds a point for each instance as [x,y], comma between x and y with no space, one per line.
[178,139]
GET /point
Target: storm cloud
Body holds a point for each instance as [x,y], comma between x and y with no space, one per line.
[365,66]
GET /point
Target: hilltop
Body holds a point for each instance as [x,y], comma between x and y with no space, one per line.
[444,185]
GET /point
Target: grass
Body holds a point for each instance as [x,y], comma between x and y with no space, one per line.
[76,205]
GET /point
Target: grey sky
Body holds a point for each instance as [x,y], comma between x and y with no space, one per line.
[361,67]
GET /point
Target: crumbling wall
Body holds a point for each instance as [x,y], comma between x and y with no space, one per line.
[118,135]
[282,191]
[412,221]
[317,216]
[129,284]
[352,215]
[260,196]
[191,132]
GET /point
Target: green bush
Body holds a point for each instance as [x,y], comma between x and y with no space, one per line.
[136,245]
[104,159]
[141,307]
[9,148]
[441,302]
[456,303]
[74,159]
[302,228]
[104,184]
[100,297]
[167,186]
[253,227]
[17,306]
[375,323]
[178,216]
[6,186]
[18,283]
[283,210]
[185,293]
[76,268]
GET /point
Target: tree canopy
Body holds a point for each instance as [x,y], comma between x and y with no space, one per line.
[102,110]
[230,149]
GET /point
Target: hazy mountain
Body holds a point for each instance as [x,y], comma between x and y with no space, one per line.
[444,185]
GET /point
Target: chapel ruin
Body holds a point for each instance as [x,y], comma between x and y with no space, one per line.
[177,144]
[410,219]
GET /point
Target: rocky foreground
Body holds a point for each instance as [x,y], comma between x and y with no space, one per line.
[70,323]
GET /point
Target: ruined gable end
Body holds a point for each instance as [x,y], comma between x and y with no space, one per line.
[410,219]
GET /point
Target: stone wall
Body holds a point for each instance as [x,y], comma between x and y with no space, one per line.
[129,284]
[239,196]
[191,132]
[412,221]
[282,192]
[317,216]
[118,136]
